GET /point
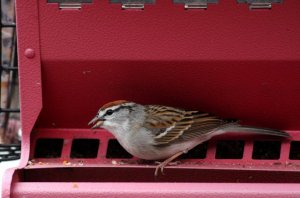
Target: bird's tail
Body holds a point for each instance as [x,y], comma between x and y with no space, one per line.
[249,129]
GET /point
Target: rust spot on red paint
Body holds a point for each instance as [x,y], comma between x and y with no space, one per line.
[75,185]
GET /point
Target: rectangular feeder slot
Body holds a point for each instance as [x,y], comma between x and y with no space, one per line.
[85,148]
[266,150]
[295,150]
[115,150]
[230,149]
[199,152]
[48,148]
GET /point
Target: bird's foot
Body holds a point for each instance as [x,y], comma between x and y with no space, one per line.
[163,164]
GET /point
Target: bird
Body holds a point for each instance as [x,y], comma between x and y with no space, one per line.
[158,132]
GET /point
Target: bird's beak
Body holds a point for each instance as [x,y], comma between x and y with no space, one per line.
[98,122]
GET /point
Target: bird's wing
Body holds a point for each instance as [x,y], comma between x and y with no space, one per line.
[169,124]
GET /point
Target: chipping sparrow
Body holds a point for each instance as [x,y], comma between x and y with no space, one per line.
[155,132]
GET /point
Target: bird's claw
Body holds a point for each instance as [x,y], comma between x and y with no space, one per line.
[160,167]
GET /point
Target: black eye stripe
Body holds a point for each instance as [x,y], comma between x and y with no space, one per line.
[110,111]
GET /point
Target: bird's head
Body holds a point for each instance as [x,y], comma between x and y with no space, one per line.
[116,114]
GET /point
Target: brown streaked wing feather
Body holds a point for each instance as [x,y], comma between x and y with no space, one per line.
[202,126]
[186,125]
[162,117]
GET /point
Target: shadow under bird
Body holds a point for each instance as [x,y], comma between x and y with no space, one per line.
[156,132]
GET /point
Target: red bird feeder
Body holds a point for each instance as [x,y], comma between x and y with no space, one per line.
[227,59]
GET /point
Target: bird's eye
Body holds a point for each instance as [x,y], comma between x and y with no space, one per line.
[109,112]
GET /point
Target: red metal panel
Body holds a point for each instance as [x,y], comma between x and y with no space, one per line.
[226,60]
[263,93]
[168,190]
[30,79]
[167,32]
[30,69]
